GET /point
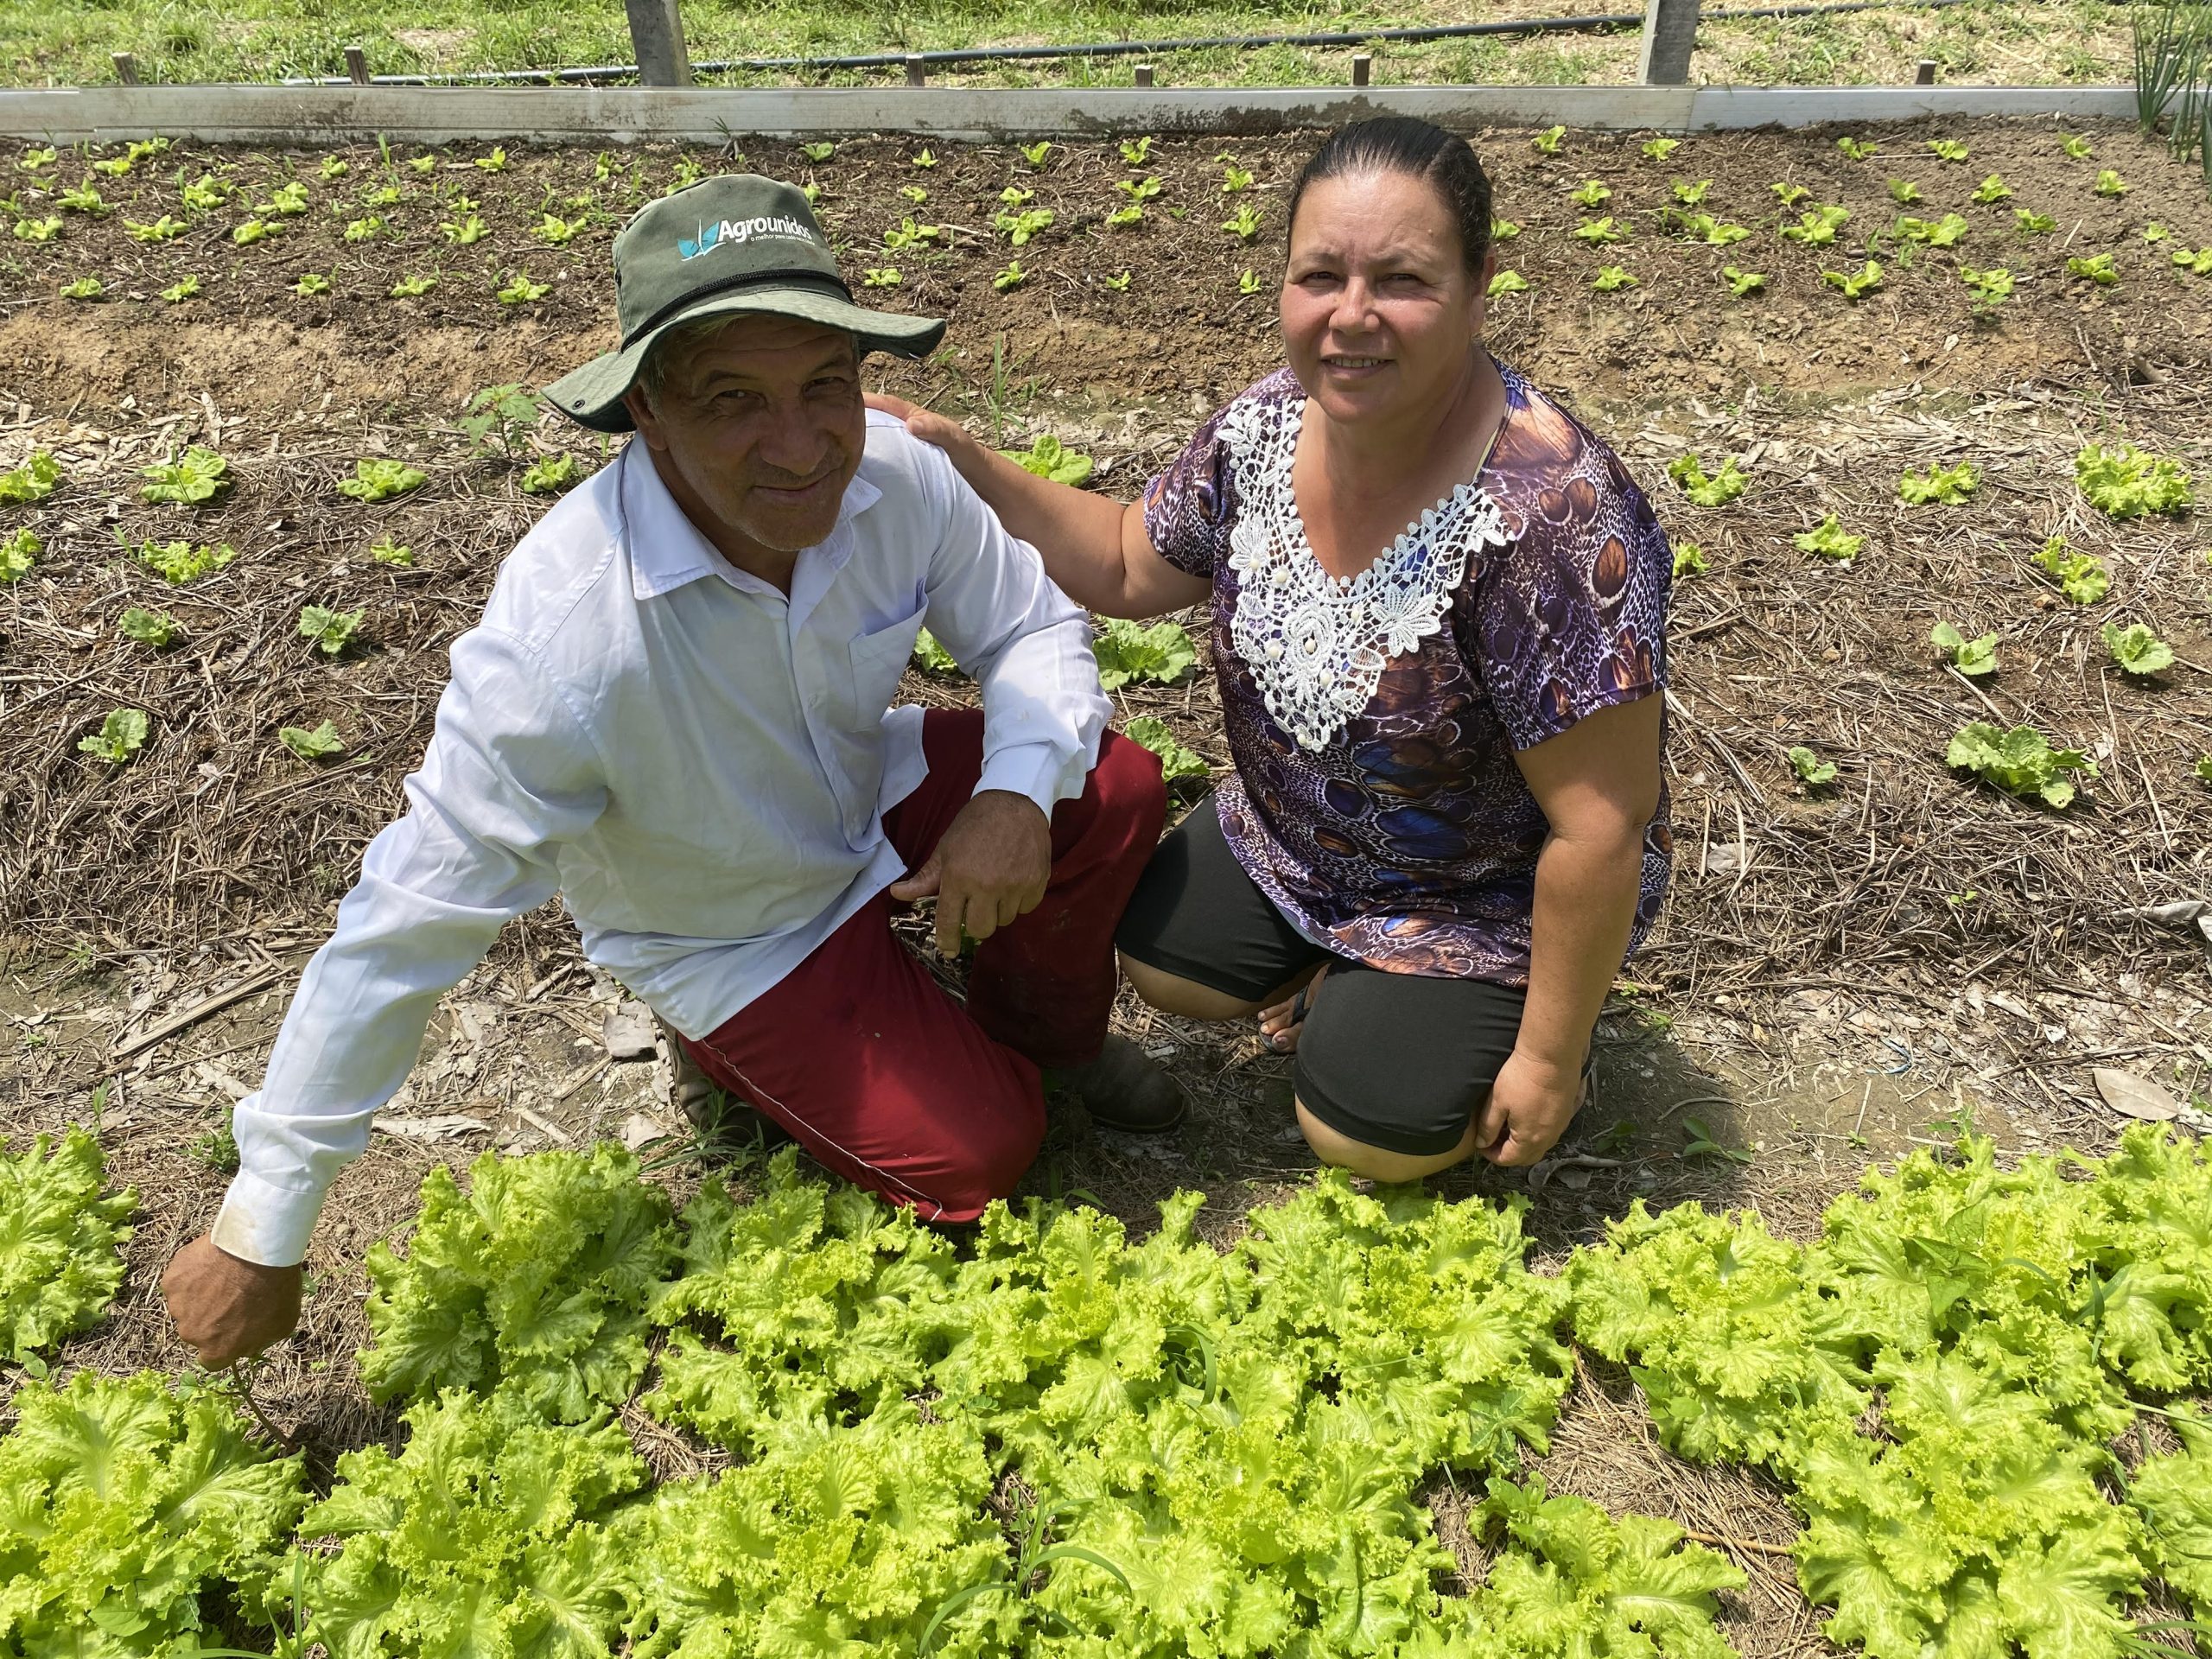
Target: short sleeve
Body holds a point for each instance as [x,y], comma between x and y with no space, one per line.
[1571,618]
[1188,509]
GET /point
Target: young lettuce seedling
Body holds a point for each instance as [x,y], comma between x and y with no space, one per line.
[2124,482]
[1948,485]
[1718,489]
[332,630]
[2021,762]
[121,735]
[2081,576]
[1176,762]
[1972,657]
[2137,649]
[1829,539]
[319,744]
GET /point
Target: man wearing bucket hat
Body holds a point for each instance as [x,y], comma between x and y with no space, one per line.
[676,713]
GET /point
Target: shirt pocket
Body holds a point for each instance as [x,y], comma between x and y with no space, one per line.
[878,659]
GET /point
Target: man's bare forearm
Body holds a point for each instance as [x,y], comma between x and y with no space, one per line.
[1585,908]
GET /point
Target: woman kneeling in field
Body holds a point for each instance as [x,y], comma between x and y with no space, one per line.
[1439,624]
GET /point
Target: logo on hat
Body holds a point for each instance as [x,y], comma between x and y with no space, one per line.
[741,231]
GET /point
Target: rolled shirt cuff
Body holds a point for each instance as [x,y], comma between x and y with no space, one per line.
[265,1223]
[1043,771]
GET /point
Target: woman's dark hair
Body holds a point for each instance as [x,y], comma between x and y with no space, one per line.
[1419,150]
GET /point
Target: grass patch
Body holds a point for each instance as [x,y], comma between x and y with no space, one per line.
[63,42]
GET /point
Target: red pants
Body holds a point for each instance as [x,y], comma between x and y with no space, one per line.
[888,1080]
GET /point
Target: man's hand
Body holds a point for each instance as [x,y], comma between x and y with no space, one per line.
[1530,1107]
[228,1309]
[990,865]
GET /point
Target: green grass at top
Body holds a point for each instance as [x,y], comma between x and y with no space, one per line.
[63,42]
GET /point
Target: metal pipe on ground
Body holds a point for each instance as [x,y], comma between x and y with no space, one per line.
[1594,22]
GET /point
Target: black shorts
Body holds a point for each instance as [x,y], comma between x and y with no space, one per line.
[1397,1061]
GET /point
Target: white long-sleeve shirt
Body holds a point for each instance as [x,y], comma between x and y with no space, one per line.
[699,764]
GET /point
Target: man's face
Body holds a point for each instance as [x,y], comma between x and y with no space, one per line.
[763,427]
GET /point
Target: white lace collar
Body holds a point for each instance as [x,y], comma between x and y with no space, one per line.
[1315,644]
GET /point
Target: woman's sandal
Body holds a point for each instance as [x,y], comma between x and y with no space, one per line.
[1301,1002]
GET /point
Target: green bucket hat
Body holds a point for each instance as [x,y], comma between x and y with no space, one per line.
[724,247]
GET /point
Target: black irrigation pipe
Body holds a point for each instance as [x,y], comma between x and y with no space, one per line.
[1592,22]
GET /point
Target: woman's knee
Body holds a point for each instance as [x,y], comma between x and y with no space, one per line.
[1348,1148]
[1173,994]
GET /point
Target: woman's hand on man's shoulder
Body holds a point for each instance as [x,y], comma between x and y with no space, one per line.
[938,431]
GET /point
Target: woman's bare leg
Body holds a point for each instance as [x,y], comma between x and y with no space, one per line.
[1380,1163]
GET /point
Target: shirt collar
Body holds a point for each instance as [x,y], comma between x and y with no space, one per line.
[668,552]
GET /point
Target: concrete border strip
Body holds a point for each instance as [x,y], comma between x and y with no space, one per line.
[602,115]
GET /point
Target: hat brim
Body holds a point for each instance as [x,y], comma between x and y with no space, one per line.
[592,396]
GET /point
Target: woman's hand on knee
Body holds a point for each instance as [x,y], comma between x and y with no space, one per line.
[1531,1102]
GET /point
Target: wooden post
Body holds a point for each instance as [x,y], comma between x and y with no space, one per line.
[657,35]
[1669,33]
[916,75]
[1363,66]
[357,66]
[126,68]
[1144,74]
[1923,73]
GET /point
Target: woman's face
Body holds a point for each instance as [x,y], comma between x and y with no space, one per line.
[1379,310]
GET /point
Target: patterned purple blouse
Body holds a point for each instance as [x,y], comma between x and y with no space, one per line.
[1374,723]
